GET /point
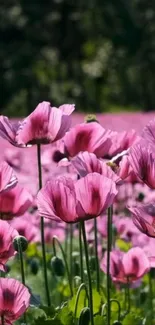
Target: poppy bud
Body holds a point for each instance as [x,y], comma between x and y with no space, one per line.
[34,266]
[57,266]
[20,242]
[91,118]
[84,316]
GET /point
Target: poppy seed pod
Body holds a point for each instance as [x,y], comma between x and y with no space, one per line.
[20,242]
[57,266]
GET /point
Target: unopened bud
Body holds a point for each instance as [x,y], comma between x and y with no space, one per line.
[20,242]
[57,266]
[91,118]
[84,318]
[34,265]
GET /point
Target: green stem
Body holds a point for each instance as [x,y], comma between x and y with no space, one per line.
[127,298]
[81,252]
[66,239]
[109,243]
[22,269]
[88,273]
[42,230]
[119,307]
[54,240]
[96,257]
[82,286]
[71,251]
[150,297]
[21,262]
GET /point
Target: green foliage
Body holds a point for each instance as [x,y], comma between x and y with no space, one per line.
[83,301]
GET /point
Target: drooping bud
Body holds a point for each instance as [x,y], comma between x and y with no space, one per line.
[84,318]
[57,266]
[20,242]
[34,265]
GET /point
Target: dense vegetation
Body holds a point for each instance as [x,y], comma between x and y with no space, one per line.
[97,53]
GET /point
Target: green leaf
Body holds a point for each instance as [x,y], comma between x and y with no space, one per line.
[83,301]
[35,313]
[99,320]
[132,319]
[65,316]
[48,322]
[50,311]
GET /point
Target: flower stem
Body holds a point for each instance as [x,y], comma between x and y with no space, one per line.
[109,242]
[81,252]
[71,251]
[150,297]
[21,262]
[66,239]
[54,240]
[81,287]
[42,230]
[22,269]
[128,297]
[96,257]
[88,273]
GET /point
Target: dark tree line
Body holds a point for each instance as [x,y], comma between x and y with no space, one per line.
[97,53]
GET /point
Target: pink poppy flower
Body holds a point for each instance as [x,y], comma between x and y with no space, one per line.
[127,267]
[64,199]
[14,157]
[122,141]
[144,218]
[86,163]
[142,162]
[14,203]
[14,299]
[126,229]
[7,234]
[91,137]
[148,132]
[95,193]
[45,124]
[26,228]
[7,178]
[9,130]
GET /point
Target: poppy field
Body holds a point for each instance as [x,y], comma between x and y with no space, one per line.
[77,220]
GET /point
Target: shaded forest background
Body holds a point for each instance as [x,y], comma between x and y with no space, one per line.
[99,54]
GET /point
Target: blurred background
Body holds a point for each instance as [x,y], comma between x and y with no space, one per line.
[99,54]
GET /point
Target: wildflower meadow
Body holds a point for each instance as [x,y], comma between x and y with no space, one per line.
[77,221]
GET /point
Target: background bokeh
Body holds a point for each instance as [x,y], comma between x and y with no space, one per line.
[98,54]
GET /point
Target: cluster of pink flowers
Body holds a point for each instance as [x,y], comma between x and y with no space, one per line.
[85,171]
